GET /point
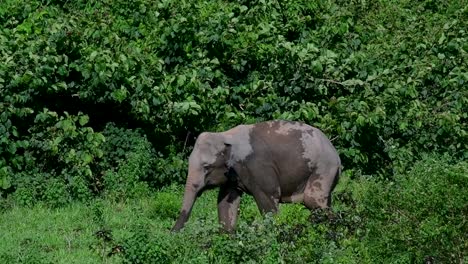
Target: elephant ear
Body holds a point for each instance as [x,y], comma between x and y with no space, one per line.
[230,173]
[237,147]
[229,159]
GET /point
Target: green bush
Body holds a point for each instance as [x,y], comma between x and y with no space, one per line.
[421,216]
[254,243]
[119,143]
[171,169]
[143,248]
[167,203]
[57,159]
[174,67]
[128,163]
[386,81]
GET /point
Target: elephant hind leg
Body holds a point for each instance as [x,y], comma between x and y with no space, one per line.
[267,203]
[317,192]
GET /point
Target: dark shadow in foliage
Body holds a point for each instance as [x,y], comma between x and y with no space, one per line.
[102,113]
[374,148]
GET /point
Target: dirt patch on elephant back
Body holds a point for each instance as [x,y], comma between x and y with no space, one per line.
[285,127]
[280,143]
[296,132]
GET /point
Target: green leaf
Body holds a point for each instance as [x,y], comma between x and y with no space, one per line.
[12,148]
[352,82]
[403,125]
[360,120]
[65,124]
[317,67]
[5,181]
[181,80]
[442,38]
[87,158]
[83,120]
[120,94]
[93,55]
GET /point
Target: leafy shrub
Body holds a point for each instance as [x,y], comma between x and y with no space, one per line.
[55,193]
[121,141]
[57,159]
[421,215]
[167,203]
[171,169]
[128,163]
[143,248]
[418,216]
[253,242]
[126,182]
[386,81]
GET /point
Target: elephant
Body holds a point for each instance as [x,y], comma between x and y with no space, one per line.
[275,161]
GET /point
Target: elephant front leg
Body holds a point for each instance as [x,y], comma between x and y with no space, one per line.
[228,206]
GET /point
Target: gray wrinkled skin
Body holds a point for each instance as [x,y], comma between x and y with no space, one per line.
[274,161]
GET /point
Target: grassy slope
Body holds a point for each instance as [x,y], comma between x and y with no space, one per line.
[406,220]
[68,234]
[62,236]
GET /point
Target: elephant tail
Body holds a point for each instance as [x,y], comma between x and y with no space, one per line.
[337,177]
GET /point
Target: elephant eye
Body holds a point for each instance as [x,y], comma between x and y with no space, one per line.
[206,166]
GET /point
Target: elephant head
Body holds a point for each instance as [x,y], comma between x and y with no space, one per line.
[209,166]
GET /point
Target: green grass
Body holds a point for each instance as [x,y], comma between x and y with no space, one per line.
[68,234]
[418,216]
[58,235]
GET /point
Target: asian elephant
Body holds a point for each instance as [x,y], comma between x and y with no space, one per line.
[274,161]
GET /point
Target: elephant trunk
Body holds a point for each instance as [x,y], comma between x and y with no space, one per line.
[192,187]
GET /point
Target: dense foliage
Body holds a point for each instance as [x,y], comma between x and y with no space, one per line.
[385,80]
[100,103]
